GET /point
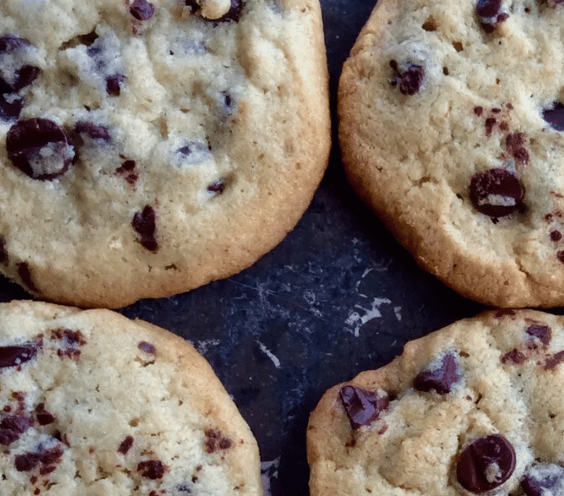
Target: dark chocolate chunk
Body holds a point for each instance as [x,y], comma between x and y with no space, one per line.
[362,407]
[142,10]
[114,84]
[152,469]
[26,462]
[496,192]
[555,236]
[125,445]
[92,130]
[410,80]
[144,223]
[542,332]
[43,416]
[147,347]
[12,427]
[440,379]
[552,361]
[40,148]
[544,479]
[555,116]
[24,75]
[486,464]
[12,356]
[127,170]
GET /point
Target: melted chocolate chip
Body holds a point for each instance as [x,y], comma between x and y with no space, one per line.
[144,223]
[552,361]
[114,84]
[515,144]
[12,427]
[362,407]
[142,10]
[496,192]
[12,356]
[440,379]
[152,469]
[555,116]
[410,80]
[92,130]
[545,479]
[486,464]
[218,187]
[555,236]
[40,148]
[127,170]
[24,75]
[125,445]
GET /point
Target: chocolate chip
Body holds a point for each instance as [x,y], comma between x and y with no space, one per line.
[439,379]
[40,148]
[142,10]
[515,144]
[25,74]
[147,347]
[555,236]
[11,106]
[152,469]
[478,111]
[514,356]
[125,445]
[215,441]
[26,462]
[490,15]
[544,479]
[410,80]
[114,84]
[144,223]
[127,170]
[362,407]
[12,427]
[496,192]
[552,361]
[92,130]
[486,464]
[12,356]
[217,188]
[555,116]
[43,416]
[542,332]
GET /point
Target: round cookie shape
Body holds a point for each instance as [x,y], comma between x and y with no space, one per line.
[474,408]
[150,147]
[94,403]
[451,130]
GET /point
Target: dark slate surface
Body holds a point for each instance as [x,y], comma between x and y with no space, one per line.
[338,296]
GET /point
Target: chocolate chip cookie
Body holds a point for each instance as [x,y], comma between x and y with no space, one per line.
[472,408]
[92,403]
[452,130]
[147,148]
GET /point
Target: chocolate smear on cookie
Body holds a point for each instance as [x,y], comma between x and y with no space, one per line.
[144,223]
[363,407]
[486,464]
[439,379]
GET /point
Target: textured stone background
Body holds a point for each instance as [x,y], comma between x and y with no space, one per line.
[338,296]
